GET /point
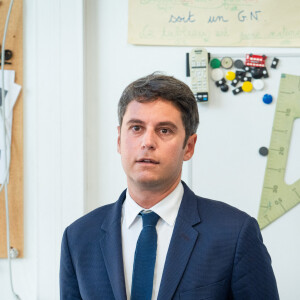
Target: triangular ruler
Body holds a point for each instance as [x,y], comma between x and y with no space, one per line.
[277,196]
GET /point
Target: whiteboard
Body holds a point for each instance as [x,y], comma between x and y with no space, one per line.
[226,165]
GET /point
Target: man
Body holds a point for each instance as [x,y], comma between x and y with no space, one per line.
[195,248]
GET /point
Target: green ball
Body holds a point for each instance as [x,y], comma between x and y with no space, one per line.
[215,63]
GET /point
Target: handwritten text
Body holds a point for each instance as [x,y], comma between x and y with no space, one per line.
[180,19]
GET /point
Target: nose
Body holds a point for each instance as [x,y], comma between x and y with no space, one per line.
[149,140]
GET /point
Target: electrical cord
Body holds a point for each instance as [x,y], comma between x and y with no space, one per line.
[5,156]
[6,176]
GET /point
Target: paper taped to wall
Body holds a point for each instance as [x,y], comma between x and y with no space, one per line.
[12,91]
[262,23]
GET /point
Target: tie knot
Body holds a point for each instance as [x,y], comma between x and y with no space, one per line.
[149,218]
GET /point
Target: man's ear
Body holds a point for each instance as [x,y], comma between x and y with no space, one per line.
[119,139]
[190,147]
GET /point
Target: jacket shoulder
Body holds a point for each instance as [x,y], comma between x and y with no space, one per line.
[90,224]
[222,215]
[96,215]
[93,221]
[208,209]
[219,207]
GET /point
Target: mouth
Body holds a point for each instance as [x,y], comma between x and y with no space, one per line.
[147,161]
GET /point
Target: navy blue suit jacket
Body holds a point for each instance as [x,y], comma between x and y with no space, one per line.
[216,252]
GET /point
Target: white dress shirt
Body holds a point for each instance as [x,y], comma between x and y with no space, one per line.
[132,225]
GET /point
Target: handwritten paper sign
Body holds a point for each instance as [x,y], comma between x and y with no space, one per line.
[261,23]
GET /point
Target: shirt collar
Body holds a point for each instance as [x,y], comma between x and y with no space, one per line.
[167,208]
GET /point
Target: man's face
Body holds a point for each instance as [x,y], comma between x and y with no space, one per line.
[151,142]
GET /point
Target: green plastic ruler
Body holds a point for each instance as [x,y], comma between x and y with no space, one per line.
[277,196]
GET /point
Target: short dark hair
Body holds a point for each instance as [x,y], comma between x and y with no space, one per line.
[153,86]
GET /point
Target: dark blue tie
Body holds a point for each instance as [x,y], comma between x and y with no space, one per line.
[144,258]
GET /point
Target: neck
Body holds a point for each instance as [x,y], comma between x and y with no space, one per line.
[147,197]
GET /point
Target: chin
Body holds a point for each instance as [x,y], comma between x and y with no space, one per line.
[149,182]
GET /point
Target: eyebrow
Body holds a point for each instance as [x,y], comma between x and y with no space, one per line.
[165,123]
[135,121]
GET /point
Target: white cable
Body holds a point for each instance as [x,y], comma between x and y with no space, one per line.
[8,142]
[6,163]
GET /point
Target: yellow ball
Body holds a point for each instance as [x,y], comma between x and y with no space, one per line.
[247,86]
[230,75]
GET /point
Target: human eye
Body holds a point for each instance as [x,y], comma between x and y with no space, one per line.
[165,131]
[135,128]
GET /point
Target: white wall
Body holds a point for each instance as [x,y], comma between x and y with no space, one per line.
[53,142]
[57,169]
[226,165]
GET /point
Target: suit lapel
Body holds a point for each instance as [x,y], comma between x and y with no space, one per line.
[181,245]
[111,246]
